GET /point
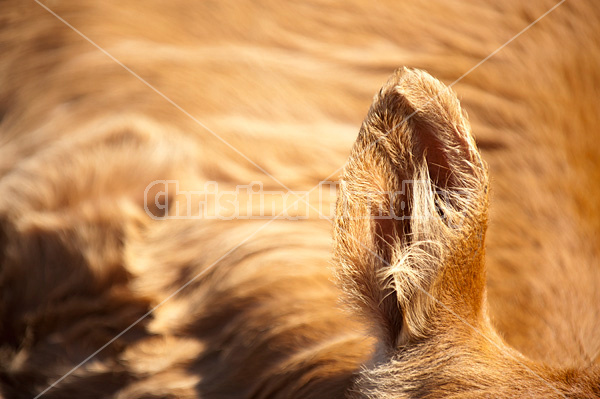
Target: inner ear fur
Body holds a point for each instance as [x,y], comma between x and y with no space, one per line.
[412,210]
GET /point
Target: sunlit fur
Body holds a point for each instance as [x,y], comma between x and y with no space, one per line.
[415,307]
[420,280]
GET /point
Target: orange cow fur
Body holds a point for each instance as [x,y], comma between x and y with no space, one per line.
[464,255]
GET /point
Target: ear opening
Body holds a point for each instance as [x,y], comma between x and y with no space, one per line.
[411,211]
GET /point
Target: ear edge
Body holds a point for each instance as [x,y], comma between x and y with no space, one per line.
[403,122]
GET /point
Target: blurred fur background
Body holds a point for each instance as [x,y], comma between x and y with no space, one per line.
[287,84]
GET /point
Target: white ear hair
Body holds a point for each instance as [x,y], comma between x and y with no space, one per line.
[414,191]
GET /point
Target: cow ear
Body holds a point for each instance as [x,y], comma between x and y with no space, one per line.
[411,211]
